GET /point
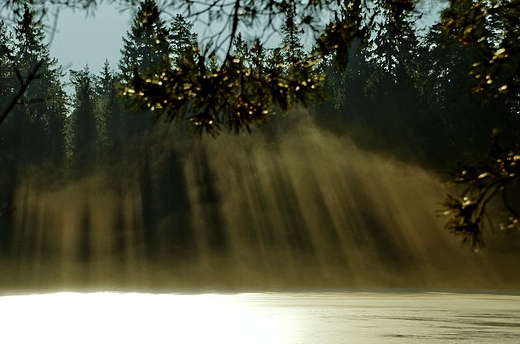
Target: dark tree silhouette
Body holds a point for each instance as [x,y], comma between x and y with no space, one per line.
[84,133]
[145,50]
[109,113]
[469,21]
[39,113]
[183,41]
[146,43]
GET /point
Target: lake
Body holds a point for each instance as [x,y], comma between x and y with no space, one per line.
[382,316]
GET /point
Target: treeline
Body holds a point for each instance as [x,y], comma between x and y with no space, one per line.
[51,133]
[409,97]
[51,139]
[413,98]
[60,137]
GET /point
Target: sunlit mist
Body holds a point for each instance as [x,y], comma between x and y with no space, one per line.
[295,206]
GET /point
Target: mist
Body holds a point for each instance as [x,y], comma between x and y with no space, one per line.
[292,206]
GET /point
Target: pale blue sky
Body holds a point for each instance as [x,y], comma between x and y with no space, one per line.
[82,39]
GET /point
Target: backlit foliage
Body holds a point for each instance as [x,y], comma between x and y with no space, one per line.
[233,95]
[493,176]
[493,28]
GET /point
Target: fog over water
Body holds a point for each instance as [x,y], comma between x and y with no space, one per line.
[295,206]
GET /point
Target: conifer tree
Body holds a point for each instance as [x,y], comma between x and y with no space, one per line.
[109,112]
[8,172]
[242,51]
[54,120]
[83,133]
[145,48]
[35,125]
[299,67]
[146,43]
[292,48]
[32,111]
[182,41]
[7,77]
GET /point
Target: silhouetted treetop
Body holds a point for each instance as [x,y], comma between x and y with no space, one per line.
[492,26]
[260,19]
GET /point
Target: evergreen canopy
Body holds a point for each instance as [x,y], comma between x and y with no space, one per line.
[492,26]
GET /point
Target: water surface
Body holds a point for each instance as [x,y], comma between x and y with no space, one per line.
[274,317]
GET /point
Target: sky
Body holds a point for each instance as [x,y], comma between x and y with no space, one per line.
[80,38]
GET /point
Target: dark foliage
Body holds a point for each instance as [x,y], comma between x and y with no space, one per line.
[494,176]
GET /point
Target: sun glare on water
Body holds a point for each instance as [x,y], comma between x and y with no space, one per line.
[138,318]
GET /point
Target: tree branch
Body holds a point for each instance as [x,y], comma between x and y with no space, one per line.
[23,88]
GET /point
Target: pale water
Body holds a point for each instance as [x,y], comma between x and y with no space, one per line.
[274,317]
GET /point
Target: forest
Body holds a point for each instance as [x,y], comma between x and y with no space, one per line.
[408,99]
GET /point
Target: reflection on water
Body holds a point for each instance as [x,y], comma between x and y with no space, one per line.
[304,318]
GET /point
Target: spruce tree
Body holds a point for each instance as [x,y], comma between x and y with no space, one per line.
[8,171]
[298,69]
[145,49]
[7,77]
[109,112]
[83,133]
[292,48]
[182,41]
[35,125]
[145,46]
[33,106]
